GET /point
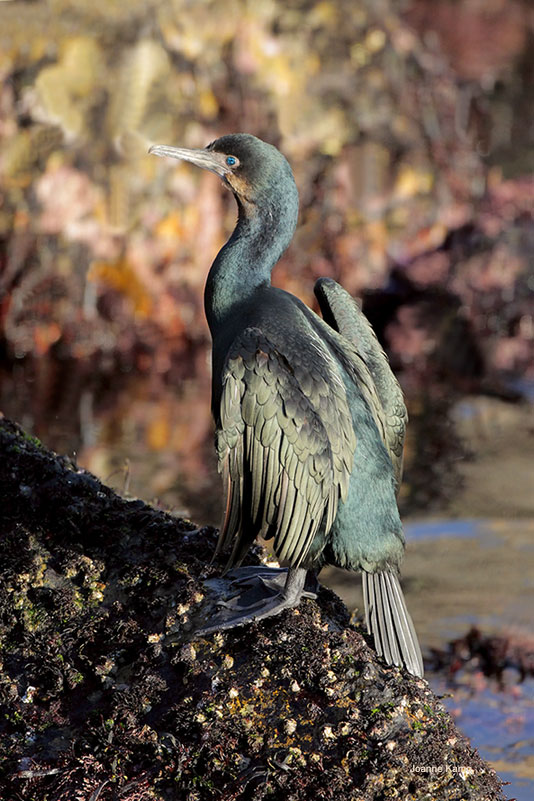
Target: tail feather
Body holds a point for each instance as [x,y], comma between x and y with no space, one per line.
[389,621]
[389,625]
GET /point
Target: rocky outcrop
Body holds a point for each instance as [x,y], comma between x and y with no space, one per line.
[107,693]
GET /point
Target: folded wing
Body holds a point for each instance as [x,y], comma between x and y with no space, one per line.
[342,313]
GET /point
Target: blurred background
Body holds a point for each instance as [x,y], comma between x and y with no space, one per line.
[409,125]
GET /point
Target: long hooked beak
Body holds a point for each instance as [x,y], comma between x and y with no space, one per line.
[207,159]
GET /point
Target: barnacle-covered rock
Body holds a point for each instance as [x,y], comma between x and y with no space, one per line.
[107,692]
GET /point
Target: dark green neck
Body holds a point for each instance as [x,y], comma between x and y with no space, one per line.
[264,230]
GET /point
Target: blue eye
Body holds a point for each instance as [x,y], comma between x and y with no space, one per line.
[230,160]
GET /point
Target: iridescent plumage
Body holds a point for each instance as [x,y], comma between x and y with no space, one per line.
[310,420]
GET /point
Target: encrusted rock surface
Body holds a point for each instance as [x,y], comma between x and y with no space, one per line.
[106,693]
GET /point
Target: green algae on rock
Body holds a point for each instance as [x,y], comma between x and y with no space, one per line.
[107,693]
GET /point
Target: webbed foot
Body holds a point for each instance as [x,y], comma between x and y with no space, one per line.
[246,594]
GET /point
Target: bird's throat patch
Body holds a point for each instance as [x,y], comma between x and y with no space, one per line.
[241,188]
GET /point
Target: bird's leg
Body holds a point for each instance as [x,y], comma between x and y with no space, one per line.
[272,578]
[259,595]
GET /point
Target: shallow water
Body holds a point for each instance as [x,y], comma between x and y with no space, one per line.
[480,572]
[501,725]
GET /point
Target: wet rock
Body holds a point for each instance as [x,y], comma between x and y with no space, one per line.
[107,692]
[488,654]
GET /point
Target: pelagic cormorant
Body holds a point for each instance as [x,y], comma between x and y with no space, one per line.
[309,418]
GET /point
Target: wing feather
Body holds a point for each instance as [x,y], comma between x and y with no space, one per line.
[374,375]
[285,444]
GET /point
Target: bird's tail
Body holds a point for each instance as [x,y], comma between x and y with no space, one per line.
[389,621]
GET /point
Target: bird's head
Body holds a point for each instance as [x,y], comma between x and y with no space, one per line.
[255,171]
